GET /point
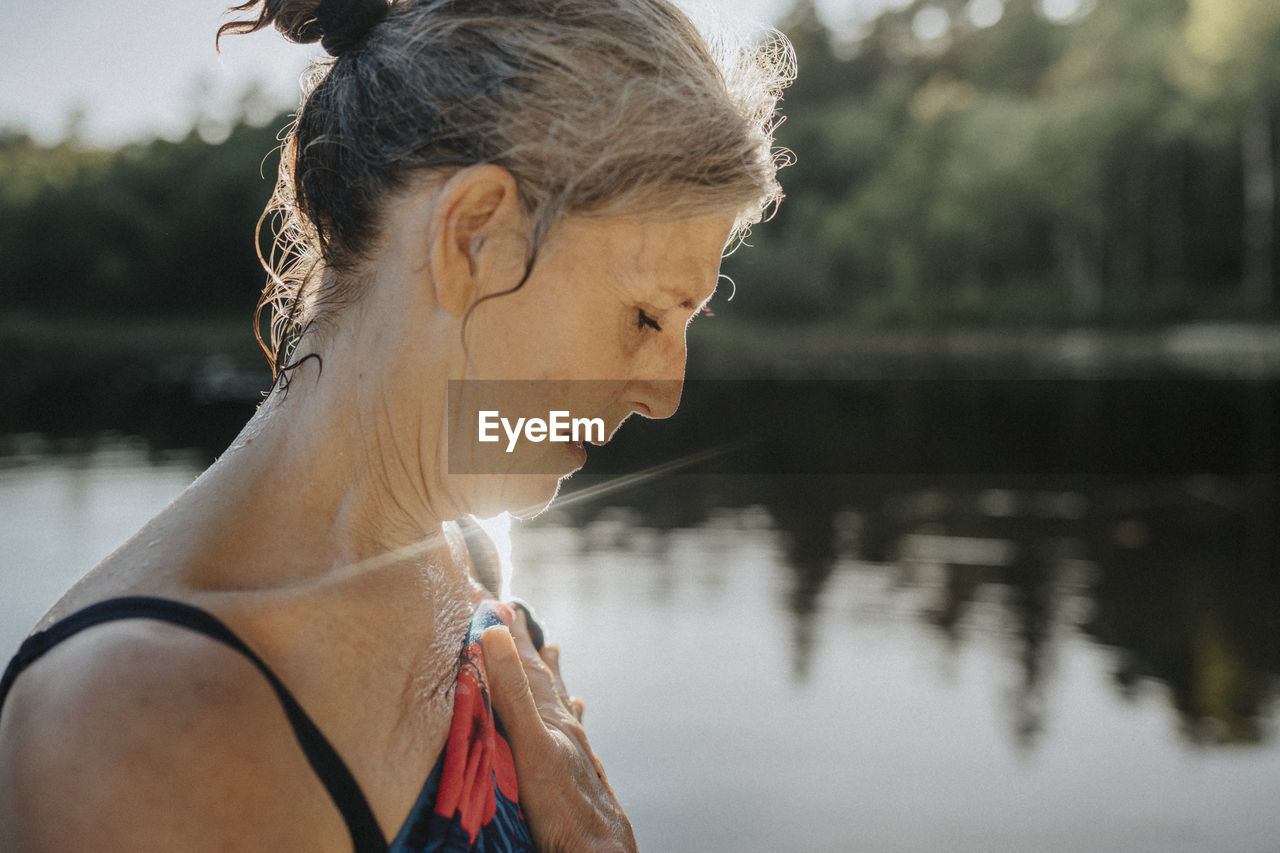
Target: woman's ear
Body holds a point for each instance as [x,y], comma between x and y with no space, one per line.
[476,216]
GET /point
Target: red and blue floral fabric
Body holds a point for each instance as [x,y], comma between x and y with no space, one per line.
[470,801]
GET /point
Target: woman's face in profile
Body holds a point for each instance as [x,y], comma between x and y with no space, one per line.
[597,332]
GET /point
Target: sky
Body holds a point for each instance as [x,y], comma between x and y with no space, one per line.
[143,68]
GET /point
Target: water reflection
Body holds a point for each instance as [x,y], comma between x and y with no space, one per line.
[903,661]
[1138,515]
[1175,577]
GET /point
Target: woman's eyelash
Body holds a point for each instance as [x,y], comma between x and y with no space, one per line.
[645,320]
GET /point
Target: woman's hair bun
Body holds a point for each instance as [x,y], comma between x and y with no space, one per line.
[346,22]
[338,25]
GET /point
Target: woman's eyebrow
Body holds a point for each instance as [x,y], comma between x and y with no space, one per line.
[688,302]
[688,297]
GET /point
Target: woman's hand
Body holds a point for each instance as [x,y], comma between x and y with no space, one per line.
[563,791]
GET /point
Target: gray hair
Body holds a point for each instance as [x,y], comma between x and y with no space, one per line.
[595,107]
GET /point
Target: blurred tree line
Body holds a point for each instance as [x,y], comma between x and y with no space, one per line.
[158,228]
[997,161]
[1027,160]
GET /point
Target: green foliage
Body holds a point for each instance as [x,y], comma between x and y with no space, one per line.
[165,227]
[1028,171]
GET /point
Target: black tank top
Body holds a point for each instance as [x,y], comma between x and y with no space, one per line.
[423,829]
[366,835]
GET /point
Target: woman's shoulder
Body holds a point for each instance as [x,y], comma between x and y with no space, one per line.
[144,735]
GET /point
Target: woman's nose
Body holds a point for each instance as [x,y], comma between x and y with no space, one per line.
[659,397]
[656,391]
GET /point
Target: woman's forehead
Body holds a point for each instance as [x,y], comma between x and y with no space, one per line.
[685,252]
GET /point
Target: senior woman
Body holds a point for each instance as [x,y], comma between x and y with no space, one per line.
[526,197]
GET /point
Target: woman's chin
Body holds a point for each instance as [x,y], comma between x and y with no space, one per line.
[521,495]
[524,486]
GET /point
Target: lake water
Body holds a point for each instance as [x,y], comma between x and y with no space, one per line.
[966,613]
[979,660]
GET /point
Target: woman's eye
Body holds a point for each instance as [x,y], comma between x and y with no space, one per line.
[645,320]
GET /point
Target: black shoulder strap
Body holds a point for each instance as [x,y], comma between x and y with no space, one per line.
[328,765]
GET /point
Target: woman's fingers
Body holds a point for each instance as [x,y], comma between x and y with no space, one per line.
[509,688]
[524,641]
[563,790]
[551,657]
[543,672]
